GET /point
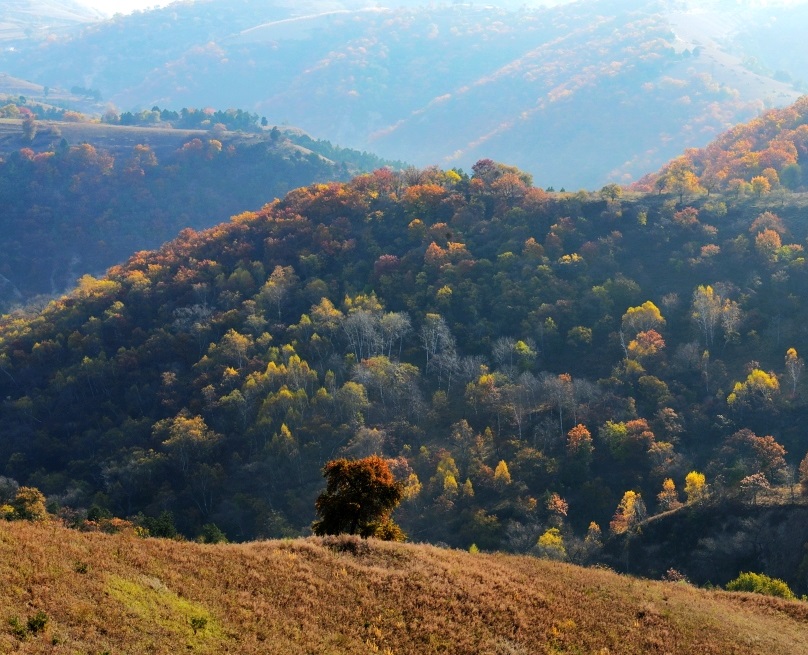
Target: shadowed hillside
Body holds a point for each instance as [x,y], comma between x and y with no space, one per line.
[79,197]
[67,592]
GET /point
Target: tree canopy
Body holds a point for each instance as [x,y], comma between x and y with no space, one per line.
[359,498]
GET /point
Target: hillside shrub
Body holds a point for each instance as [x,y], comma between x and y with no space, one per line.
[29,505]
[759,583]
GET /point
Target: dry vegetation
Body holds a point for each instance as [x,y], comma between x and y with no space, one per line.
[121,593]
[112,138]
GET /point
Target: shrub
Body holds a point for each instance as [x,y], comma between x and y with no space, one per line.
[198,623]
[37,622]
[345,543]
[29,504]
[17,628]
[759,583]
[672,575]
[212,534]
[161,526]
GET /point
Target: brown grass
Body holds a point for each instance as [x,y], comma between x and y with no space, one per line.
[123,594]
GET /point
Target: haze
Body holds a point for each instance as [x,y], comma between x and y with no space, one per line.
[111,7]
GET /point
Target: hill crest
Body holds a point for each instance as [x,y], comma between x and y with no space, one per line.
[342,595]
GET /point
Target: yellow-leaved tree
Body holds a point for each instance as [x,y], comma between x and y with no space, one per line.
[629,513]
[695,487]
[758,390]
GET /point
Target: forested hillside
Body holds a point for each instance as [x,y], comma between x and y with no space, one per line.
[533,364]
[765,155]
[78,197]
[579,94]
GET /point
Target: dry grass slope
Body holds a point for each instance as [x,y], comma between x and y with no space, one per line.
[122,594]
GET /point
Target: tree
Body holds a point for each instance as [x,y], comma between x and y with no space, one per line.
[557,506]
[641,319]
[189,438]
[629,513]
[560,392]
[647,344]
[551,545]
[767,243]
[29,128]
[758,389]
[611,192]
[502,476]
[752,485]
[680,179]
[29,505]
[707,311]
[794,368]
[360,496]
[804,475]
[277,288]
[579,442]
[695,486]
[668,498]
[760,185]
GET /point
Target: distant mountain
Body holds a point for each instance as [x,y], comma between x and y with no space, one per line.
[35,20]
[577,94]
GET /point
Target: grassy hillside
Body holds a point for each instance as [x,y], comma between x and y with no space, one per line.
[123,594]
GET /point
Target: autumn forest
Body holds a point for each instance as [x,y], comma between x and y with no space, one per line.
[543,371]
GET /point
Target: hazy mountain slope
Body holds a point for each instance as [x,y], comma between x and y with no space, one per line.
[124,594]
[576,94]
[27,20]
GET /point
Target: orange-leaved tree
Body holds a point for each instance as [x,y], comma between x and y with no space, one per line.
[360,496]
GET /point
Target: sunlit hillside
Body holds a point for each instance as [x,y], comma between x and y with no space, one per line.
[67,592]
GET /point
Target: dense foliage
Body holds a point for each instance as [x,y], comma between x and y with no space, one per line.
[527,362]
[762,156]
[75,209]
[359,499]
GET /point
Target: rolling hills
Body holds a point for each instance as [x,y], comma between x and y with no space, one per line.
[23,20]
[584,376]
[79,197]
[576,94]
[101,593]
[524,359]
